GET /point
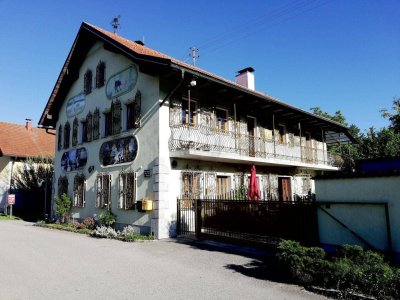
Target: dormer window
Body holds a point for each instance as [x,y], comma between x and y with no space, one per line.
[87,84]
[100,74]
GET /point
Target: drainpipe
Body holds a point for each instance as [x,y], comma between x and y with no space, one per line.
[273,131]
[301,146]
[174,89]
[235,131]
[323,145]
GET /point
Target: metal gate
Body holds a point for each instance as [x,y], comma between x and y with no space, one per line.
[264,222]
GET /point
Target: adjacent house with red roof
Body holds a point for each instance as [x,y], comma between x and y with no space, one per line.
[17,143]
[134,125]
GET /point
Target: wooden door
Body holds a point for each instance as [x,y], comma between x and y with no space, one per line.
[285,190]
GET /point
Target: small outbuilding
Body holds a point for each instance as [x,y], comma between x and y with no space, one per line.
[361,208]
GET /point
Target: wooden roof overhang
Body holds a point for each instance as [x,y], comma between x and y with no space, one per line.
[223,92]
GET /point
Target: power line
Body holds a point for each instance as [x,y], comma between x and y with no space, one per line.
[240,32]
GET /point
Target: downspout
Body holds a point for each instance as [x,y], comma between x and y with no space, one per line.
[174,89]
[274,134]
[301,146]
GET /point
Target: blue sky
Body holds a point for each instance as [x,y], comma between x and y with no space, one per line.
[335,54]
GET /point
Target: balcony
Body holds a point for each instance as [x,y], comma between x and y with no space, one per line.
[207,143]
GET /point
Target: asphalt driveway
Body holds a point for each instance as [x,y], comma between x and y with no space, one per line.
[39,263]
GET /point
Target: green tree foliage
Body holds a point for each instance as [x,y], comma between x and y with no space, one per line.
[63,206]
[373,143]
[393,117]
[33,174]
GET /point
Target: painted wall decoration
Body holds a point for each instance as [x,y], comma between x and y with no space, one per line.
[74,159]
[121,82]
[119,151]
[75,105]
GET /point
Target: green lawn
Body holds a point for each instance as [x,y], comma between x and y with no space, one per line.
[4,217]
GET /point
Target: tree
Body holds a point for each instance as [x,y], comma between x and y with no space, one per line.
[32,180]
[372,144]
[394,117]
[33,174]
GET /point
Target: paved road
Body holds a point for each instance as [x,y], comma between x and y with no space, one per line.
[39,263]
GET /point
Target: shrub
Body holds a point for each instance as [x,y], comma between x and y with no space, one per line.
[107,218]
[351,269]
[104,232]
[63,207]
[79,225]
[89,222]
[129,230]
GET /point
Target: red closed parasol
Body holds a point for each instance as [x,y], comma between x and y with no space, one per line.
[254,191]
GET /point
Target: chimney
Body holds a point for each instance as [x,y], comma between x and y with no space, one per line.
[28,124]
[141,43]
[245,78]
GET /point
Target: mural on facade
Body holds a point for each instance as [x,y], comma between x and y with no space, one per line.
[74,159]
[118,151]
[75,105]
[121,82]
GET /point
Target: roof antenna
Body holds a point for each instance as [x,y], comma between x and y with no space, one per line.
[193,54]
[115,24]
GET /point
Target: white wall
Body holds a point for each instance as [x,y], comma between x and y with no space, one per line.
[147,137]
[5,176]
[368,221]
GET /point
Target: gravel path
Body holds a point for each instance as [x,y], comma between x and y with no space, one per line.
[40,263]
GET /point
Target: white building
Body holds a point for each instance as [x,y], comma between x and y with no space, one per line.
[134,124]
[17,144]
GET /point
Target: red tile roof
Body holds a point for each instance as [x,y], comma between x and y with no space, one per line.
[16,140]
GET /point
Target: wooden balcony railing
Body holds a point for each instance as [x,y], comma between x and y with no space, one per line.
[203,138]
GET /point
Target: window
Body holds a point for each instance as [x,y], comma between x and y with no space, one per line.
[100,74]
[107,123]
[75,132]
[59,138]
[87,82]
[103,190]
[79,191]
[87,128]
[67,130]
[222,185]
[116,116]
[127,190]
[62,185]
[133,111]
[221,119]
[189,114]
[96,124]
[191,185]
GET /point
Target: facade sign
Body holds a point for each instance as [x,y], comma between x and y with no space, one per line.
[122,82]
[74,159]
[119,151]
[75,105]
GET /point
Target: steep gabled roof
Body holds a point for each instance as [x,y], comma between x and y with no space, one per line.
[88,34]
[23,141]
